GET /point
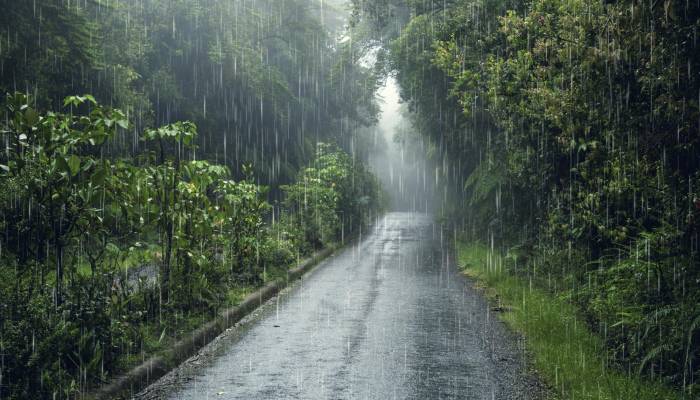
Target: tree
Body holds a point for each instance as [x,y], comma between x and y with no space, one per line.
[167,173]
[53,163]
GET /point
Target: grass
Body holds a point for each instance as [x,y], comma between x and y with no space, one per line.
[237,294]
[156,336]
[567,355]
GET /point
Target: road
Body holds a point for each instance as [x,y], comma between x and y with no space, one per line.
[387,318]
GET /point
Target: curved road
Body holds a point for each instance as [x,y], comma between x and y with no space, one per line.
[388,318]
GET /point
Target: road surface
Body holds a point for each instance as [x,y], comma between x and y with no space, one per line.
[387,318]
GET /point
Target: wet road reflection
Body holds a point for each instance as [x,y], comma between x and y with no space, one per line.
[388,318]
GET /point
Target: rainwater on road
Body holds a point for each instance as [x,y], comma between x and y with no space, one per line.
[389,317]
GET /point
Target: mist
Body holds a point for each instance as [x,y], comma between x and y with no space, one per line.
[399,158]
[316,178]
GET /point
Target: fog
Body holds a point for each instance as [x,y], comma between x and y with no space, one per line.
[400,157]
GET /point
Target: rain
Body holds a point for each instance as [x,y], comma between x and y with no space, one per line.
[349,199]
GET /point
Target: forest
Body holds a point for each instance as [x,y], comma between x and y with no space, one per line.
[568,134]
[161,159]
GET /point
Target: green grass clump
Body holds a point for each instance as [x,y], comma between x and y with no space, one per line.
[237,294]
[568,356]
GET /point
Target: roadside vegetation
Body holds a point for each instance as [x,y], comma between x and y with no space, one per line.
[566,133]
[565,352]
[222,143]
[106,261]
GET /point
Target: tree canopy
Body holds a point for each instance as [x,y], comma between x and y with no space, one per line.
[570,130]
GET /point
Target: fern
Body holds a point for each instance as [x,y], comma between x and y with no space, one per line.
[483,182]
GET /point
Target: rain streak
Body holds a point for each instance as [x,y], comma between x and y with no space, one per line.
[349,199]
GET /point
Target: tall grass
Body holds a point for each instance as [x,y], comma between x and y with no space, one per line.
[567,355]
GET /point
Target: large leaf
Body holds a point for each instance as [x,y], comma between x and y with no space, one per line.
[62,165]
[74,164]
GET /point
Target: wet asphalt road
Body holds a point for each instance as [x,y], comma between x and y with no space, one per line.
[387,318]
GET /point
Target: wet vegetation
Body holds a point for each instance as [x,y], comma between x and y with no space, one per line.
[220,144]
[568,130]
[564,351]
[222,141]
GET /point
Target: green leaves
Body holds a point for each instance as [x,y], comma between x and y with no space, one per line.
[31,116]
[334,192]
[179,132]
[74,164]
[579,142]
[69,166]
[98,177]
[76,101]
[62,165]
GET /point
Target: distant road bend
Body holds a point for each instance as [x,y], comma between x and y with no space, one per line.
[388,318]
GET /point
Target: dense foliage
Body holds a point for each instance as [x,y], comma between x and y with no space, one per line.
[570,132]
[120,231]
[334,197]
[262,79]
[103,259]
